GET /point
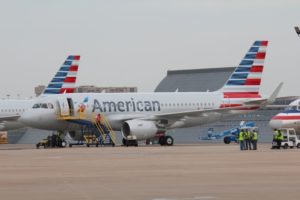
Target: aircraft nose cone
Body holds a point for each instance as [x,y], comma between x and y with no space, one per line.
[275,123]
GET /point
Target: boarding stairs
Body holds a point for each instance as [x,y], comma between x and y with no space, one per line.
[90,126]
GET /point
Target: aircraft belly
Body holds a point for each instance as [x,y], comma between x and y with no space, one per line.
[196,121]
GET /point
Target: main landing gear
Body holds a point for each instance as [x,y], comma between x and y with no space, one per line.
[166,140]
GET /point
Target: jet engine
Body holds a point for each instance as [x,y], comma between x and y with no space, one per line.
[139,128]
[75,135]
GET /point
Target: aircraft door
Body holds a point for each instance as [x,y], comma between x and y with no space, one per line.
[66,106]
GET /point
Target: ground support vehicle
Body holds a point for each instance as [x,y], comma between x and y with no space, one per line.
[52,141]
[290,139]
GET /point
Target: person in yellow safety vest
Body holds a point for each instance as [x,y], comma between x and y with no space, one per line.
[247,140]
[275,135]
[241,140]
[279,138]
[254,139]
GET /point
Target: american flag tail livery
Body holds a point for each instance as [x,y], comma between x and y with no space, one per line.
[245,81]
[65,79]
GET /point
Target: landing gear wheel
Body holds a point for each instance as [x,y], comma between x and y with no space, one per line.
[124,141]
[226,140]
[162,140]
[63,144]
[169,141]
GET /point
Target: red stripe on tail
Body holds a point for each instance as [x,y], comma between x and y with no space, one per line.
[76,58]
[70,80]
[257,68]
[241,95]
[66,90]
[264,43]
[253,81]
[261,55]
[73,68]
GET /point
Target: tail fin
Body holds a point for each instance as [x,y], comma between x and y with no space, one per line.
[245,81]
[65,79]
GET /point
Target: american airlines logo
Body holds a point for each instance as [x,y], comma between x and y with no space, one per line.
[126,106]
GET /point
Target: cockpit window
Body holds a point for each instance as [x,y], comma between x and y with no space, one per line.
[291,108]
[50,105]
[36,106]
[44,105]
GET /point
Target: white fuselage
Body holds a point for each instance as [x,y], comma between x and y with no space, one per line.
[120,107]
[10,109]
[289,118]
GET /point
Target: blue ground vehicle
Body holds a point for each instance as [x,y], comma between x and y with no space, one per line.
[230,135]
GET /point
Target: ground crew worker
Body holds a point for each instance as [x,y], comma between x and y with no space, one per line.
[247,140]
[241,140]
[98,118]
[275,135]
[254,139]
[274,139]
[279,139]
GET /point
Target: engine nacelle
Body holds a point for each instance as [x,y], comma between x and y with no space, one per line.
[141,129]
[75,135]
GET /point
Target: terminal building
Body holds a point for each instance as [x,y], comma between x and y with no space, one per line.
[194,80]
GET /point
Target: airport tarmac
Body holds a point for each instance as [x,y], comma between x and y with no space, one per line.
[185,172]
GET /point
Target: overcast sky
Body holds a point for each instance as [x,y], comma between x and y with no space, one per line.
[135,42]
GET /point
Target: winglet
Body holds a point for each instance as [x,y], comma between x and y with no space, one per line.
[275,94]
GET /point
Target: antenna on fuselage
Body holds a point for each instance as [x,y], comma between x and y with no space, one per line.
[297,29]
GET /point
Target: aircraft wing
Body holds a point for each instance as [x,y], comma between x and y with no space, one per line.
[196,113]
[9,118]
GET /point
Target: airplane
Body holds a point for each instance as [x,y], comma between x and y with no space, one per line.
[289,118]
[63,82]
[145,115]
